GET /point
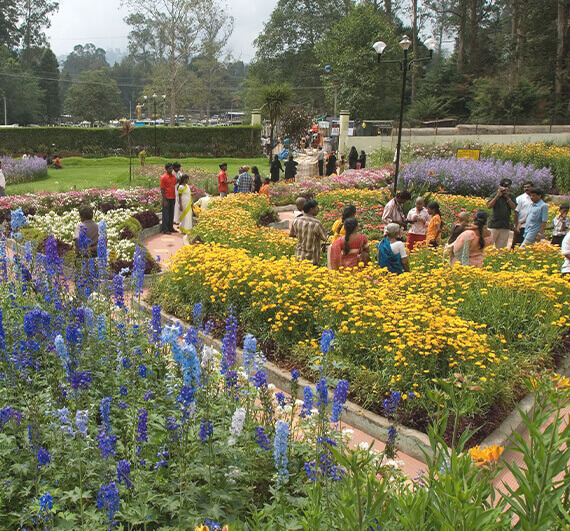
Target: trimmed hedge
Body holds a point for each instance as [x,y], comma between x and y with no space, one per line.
[237,141]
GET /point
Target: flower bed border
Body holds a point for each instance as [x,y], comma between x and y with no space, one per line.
[410,442]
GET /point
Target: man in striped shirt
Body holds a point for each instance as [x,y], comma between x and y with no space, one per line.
[309,232]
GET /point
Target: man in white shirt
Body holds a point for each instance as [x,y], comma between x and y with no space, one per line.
[565,249]
[524,202]
[2,182]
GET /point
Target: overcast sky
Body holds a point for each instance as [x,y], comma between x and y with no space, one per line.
[101,22]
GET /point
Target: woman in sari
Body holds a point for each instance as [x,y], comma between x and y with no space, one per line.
[469,246]
[349,211]
[183,206]
[346,251]
[392,252]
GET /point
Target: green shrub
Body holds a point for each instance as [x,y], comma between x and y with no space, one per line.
[240,141]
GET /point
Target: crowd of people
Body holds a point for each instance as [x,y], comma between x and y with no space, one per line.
[525,216]
[467,241]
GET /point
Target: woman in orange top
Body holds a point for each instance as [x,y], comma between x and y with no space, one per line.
[433,236]
[264,190]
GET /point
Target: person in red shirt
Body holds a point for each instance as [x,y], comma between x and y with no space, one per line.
[223,180]
[168,190]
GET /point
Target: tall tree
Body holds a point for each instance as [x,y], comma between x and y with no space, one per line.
[48,78]
[170,29]
[9,34]
[285,47]
[34,18]
[84,58]
[94,96]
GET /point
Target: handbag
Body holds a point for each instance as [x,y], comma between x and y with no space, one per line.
[363,254]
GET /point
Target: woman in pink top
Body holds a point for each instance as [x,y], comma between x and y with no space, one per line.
[476,237]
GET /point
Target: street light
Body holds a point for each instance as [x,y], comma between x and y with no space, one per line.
[405,66]
[329,70]
[154,120]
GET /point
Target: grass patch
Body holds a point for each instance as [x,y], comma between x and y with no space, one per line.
[81,173]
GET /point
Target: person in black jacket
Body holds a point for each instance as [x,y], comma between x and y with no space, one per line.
[256,179]
[362,160]
[275,169]
[331,164]
[352,158]
[290,169]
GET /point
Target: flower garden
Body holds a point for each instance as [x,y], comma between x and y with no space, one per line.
[111,418]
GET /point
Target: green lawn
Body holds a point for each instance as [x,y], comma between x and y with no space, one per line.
[81,173]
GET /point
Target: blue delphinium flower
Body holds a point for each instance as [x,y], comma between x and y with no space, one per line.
[81,418]
[46,502]
[295,375]
[280,449]
[101,328]
[80,380]
[231,379]
[206,429]
[18,219]
[209,327]
[106,442]
[62,352]
[2,333]
[52,260]
[391,404]
[7,413]
[122,405]
[249,348]
[124,473]
[197,314]
[162,455]
[327,338]
[261,438]
[307,409]
[66,425]
[147,396]
[102,247]
[391,435]
[156,323]
[139,265]
[44,459]
[118,291]
[142,370]
[186,399]
[83,241]
[229,343]
[123,391]
[108,499]
[142,428]
[260,379]
[281,399]
[340,396]
[105,409]
[322,393]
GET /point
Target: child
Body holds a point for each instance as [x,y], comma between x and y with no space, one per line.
[299,204]
[264,190]
[433,236]
[561,224]
[458,228]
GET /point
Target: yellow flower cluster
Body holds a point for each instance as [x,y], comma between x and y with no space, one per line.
[403,330]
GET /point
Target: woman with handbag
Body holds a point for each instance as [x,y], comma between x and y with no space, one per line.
[351,249]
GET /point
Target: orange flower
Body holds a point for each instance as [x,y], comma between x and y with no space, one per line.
[486,456]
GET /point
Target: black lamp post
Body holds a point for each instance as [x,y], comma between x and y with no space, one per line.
[329,70]
[405,66]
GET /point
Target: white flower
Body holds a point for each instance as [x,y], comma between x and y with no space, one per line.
[271,387]
[364,446]
[237,422]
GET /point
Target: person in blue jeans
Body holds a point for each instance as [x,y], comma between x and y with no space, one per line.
[536,219]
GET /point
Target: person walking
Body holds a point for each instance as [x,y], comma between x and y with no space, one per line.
[362,160]
[524,202]
[501,205]
[183,210]
[290,169]
[321,160]
[223,180]
[275,169]
[309,232]
[244,181]
[352,158]
[168,191]
[536,219]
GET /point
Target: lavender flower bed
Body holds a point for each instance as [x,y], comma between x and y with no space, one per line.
[21,171]
[283,193]
[471,177]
